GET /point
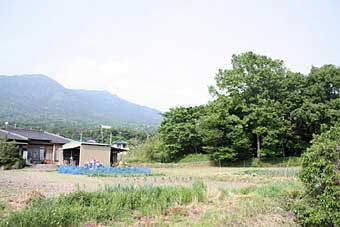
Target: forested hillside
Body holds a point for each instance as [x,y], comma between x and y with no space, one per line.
[40,101]
[260,109]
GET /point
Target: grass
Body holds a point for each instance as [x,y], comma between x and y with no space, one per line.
[202,160]
[266,162]
[273,172]
[124,175]
[271,190]
[110,204]
[265,205]
[195,158]
[3,209]
[233,197]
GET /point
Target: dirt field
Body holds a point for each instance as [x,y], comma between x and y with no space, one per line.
[225,206]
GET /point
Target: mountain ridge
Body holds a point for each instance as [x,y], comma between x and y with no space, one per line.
[38,97]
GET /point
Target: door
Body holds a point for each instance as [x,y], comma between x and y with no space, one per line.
[36,153]
[42,153]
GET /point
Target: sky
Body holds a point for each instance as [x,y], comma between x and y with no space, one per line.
[156,53]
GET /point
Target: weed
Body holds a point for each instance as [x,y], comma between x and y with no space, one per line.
[274,172]
[266,162]
[273,190]
[125,175]
[110,204]
[195,158]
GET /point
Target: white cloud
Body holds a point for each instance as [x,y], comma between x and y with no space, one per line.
[131,81]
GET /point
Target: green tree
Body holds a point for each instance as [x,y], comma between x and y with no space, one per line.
[254,85]
[223,133]
[321,102]
[321,176]
[9,155]
[178,131]
[152,150]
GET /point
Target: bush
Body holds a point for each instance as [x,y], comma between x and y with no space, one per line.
[195,158]
[9,155]
[266,162]
[320,174]
[108,205]
[152,150]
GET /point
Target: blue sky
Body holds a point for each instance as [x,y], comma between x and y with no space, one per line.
[160,53]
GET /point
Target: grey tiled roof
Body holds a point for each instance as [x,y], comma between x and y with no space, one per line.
[39,135]
[12,136]
[119,142]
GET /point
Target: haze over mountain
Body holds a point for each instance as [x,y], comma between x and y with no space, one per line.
[41,99]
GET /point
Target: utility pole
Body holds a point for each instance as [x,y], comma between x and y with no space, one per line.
[81,135]
[101,129]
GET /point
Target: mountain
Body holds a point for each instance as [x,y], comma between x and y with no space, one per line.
[40,99]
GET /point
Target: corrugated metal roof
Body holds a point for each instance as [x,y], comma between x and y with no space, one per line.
[76,144]
[71,145]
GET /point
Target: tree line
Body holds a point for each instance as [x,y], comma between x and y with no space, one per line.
[260,109]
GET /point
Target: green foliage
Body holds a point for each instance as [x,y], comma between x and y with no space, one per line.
[113,203]
[178,131]
[266,162]
[152,150]
[272,190]
[223,133]
[275,172]
[321,177]
[9,155]
[195,158]
[253,87]
[278,109]
[261,109]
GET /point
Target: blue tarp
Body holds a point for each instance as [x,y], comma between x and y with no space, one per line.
[101,169]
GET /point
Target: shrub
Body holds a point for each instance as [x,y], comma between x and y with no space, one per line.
[195,158]
[9,155]
[320,174]
[266,162]
[153,150]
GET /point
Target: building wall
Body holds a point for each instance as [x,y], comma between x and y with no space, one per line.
[34,152]
[92,152]
[55,152]
[60,157]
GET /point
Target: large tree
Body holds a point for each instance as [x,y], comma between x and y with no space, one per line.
[260,109]
[178,131]
[223,133]
[321,102]
[254,85]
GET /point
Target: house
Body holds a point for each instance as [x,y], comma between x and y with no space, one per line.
[35,146]
[120,144]
[80,153]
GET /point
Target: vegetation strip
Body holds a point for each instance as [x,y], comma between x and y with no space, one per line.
[108,205]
